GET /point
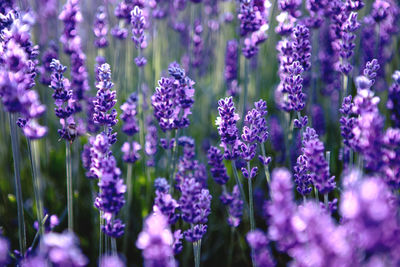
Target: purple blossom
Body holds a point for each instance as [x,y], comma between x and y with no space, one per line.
[393,102]
[173,99]
[218,169]
[113,228]
[100,28]
[196,233]
[156,241]
[4,248]
[129,114]
[318,167]
[131,152]
[227,129]
[301,176]
[164,201]
[231,61]
[194,202]
[177,245]
[258,241]
[45,70]
[111,261]
[235,206]
[346,121]
[105,98]
[346,44]
[380,10]
[150,146]
[280,209]
[250,21]
[138,22]
[318,119]
[293,86]
[291,6]
[302,46]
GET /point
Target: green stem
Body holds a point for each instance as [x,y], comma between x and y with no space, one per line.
[68,164]
[326,200]
[17,180]
[239,184]
[245,89]
[231,247]
[266,168]
[100,234]
[113,246]
[251,207]
[37,187]
[128,206]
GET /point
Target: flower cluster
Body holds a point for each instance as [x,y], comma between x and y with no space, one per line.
[173,99]
[138,23]
[100,28]
[227,129]
[164,202]
[156,242]
[130,127]
[231,67]
[235,206]
[17,74]
[218,169]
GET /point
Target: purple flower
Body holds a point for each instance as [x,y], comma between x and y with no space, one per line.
[347,122]
[156,242]
[235,206]
[393,102]
[318,167]
[318,119]
[138,22]
[129,113]
[231,61]
[195,202]
[100,28]
[113,228]
[4,248]
[58,250]
[290,6]
[48,56]
[173,99]
[150,146]
[164,202]
[258,241]
[302,46]
[196,233]
[227,129]
[301,176]
[198,45]
[380,10]
[177,245]
[105,98]
[280,209]
[111,261]
[346,44]
[218,169]
[250,20]
[131,152]
[293,86]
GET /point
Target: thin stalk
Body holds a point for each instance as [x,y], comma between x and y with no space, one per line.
[174,153]
[37,187]
[326,200]
[113,246]
[266,169]
[100,234]
[345,82]
[245,89]
[239,184]
[231,246]
[68,164]
[128,207]
[251,207]
[17,180]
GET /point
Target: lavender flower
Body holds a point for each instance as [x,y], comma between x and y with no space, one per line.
[173,99]
[313,150]
[58,250]
[302,46]
[250,21]
[235,206]
[177,245]
[156,242]
[393,102]
[138,22]
[301,176]
[164,201]
[150,146]
[129,113]
[111,261]
[100,28]
[218,169]
[346,45]
[227,130]
[131,151]
[280,209]
[318,119]
[231,61]
[347,122]
[45,70]
[4,247]
[105,99]
[258,241]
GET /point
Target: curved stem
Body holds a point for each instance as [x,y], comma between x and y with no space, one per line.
[251,208]
[68,164]
[17,180]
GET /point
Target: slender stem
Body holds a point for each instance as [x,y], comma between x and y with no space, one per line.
[231,246]
[68,164]
[128,207]
[113,246]
[17,180]
[251,207]
[100,234]
[239,184]
[345,82]
[326,200]
[37,187]
[266,169]
[245,89]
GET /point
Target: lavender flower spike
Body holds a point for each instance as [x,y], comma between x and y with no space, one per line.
[156,242]
[138,23]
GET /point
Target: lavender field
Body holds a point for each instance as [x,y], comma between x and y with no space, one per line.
[164,133]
